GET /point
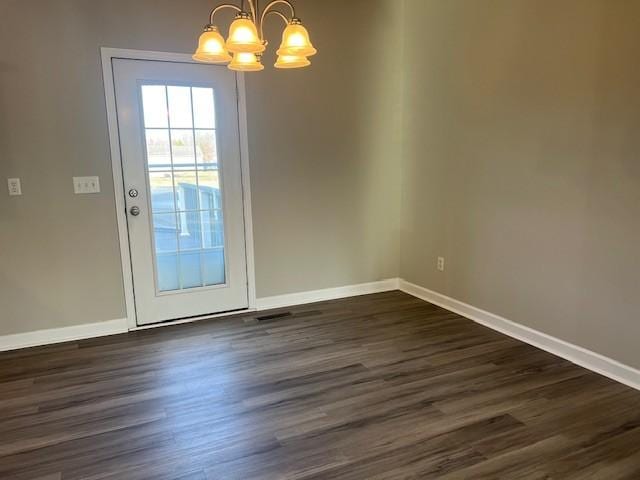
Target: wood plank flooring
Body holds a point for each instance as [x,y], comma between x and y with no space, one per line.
[376,387]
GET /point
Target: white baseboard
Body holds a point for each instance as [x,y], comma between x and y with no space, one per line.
[301,298]
[64,334]
[112,327]
[574,353]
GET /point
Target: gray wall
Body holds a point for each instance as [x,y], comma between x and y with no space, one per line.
[523,163]
[325,181]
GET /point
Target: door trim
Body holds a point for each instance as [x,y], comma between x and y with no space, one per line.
[107,55]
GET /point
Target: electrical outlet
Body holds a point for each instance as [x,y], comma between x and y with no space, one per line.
[82,185]
[441,264]
[14,186]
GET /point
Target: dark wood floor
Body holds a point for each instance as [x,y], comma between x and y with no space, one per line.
[375,387]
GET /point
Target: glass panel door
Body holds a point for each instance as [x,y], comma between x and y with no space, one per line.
[179,130]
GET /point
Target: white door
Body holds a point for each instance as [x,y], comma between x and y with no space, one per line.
[180,149]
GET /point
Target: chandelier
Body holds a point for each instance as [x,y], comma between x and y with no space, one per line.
[243,49]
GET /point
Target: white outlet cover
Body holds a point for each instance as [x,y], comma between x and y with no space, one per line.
[85,185]
[15,188]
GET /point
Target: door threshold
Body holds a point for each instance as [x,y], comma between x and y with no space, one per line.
[199,318]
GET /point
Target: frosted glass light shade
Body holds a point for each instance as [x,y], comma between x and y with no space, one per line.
[295,41]
[292,61]
[246,62]
[211,47]
[243,37]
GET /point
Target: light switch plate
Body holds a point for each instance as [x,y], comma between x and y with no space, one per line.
[14,186]
[83,185]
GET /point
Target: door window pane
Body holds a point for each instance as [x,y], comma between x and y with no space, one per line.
[158,149]
[162,193]
[212,229]
[190,237]
[165,232]
[203,108]
[185,186]
[182,149]
[186,189]
[213,263]
[180,107]
[154,106]
[167,270]
[209,183]
[206,153]
[190,270]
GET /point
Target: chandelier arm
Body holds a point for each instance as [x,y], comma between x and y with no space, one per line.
[277,2]
[254,9]
[281,15]
[269,9]
[221,7]
[264,15]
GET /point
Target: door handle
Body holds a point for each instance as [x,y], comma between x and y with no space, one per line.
[134,211]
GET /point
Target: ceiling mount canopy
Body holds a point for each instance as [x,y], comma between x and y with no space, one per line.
[243,49]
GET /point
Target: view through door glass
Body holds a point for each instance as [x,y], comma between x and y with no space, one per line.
[185,186]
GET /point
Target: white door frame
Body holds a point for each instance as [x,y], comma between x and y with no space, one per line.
[108,54]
